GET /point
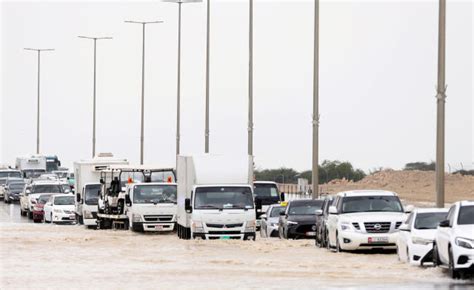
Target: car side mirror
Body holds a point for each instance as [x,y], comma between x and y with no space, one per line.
[405,228]
[319,212]
[444,224]
[282,196]
[409,208]
[263,216]
[258,204]
[333,210]
[187,205]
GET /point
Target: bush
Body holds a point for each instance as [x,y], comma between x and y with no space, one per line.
[464,172]
[423,166]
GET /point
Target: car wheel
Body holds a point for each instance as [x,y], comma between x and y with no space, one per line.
[453,273]
[30,215]
[338,246]
[436,262]
[51,218]
[408,256]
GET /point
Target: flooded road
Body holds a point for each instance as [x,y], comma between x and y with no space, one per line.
[49,256]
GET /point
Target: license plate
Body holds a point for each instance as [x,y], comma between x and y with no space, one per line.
[159,227]
[72,217]
[378,240]
[311,233]
[225,238]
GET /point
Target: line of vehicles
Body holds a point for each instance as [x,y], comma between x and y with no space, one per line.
[215,197]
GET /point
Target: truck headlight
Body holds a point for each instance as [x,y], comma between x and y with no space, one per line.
[421,241]
[346,227]
[250,226]
[465,243]
[88,214]
[136,218]
[197,227]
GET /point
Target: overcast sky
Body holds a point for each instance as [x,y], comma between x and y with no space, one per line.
[377,80]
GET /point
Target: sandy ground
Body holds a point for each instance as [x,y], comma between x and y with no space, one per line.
[43,256]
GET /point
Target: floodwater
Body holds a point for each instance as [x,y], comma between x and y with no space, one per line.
[49,256]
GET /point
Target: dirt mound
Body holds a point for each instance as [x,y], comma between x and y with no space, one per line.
[410,185]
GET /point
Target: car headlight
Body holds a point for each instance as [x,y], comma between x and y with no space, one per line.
[346,227]
[291,223]
[136,218]
[421,241]
[57,210]
[465,243]
[88,214]
[197,227]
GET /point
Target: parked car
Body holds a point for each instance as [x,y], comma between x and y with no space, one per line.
[365,219]
[12,189]
[321,222]
[29,197]
[60,208]
[38,208]
[415,240]
[454,240]
[298,220]
[5,174]
[269,224]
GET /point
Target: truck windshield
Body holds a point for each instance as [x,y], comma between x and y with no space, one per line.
[223,198]
[33,173]
[429,220]
[353,204]
[64,200]
[51,165]
[5,174]
[154,193]
[91,194]
[466,215]
[47,188]
[266,190]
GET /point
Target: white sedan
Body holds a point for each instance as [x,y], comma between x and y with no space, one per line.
[60,209]
[415,240]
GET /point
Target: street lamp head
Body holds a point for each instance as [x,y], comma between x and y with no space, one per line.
[95,38]
[143,22]
[39,49]
[182,1]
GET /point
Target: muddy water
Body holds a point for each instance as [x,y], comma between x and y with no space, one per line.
[71,257]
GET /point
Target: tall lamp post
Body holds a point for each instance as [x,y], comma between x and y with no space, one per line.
[315,169]
[38,50]
[94,89]
[208,55]
[142,128]
[441,102]
[178,101]
[250,105]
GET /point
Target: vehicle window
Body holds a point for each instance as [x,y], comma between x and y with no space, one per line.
[165,176]
[11,174]
[429,221]
[266,190]
[91,194]
[16,187]
[223,198]
[409,219]
[277,210]
[64,200]
[44,198]
[351,204]
[47,188]
[308,208]
[131,177]
[33,173]
[3,181]
[466,215]
[154,194]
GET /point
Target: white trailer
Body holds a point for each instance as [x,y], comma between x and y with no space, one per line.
[31,166]
[215,197]
[87,185]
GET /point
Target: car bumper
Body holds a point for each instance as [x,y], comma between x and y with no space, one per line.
[153,227]
[225,236]
[38,215]
[365,241]
[463,258]
[302,231]
[420,254]
[64,218]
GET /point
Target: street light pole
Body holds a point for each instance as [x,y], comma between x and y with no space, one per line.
[94,89]
[142,127]
[38,96]
[315,169]
[441,102]
[178,101]
[250,108]
[208,42]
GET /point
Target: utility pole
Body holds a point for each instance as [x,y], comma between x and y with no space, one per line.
[38,50]
[142,122]
[250,109]
[208,43]
[441,102]
[94,89]
[315,169]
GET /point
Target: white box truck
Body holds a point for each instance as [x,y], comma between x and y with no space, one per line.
[31,166]
[87,185]
[215,197]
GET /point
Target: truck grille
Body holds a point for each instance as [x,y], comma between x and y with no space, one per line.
[222,226]
[377,227]
[224,232]
[158,218]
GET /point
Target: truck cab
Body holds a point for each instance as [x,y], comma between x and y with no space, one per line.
[151,206]
[215,197]
[266,193]
[86,204]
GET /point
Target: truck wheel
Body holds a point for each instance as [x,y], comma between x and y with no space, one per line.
[126,225]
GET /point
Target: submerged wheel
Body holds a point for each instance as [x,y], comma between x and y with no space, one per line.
[453,273]
[436,262]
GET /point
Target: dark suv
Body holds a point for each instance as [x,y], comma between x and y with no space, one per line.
[321,222]
[299,219]
[13,188]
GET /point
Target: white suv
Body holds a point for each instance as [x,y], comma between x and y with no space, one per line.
[364,219]
[454,240]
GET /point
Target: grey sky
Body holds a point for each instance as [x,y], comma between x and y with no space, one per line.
[377,85]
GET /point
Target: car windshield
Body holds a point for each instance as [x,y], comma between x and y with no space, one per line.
[466,215]
[16,187]
[64,200]
[42,199]
[33,173]
[154,193]
[91,196]
[306,208]
[266,190]
[276,211]
[353,204]
[47,188]
[5,174]
[223,198]
[429,220]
